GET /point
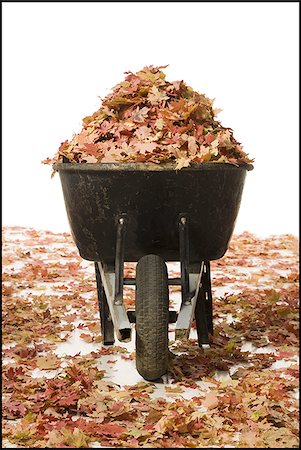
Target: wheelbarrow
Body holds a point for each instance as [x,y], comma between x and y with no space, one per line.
[151,214]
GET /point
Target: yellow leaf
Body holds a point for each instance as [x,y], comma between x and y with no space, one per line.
[159,124]
[94,327]
[182,162]
[49,362]
[230,347]
[76,438]
[228,383]
[176,389]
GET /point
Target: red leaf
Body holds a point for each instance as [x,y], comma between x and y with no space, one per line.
[110,429]
[209,138]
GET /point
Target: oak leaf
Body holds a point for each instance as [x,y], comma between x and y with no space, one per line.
[49,362]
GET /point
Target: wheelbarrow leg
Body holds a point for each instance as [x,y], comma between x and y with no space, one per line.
[208,297]
[203,308]
[196,292]
[112,282]
[184,259]
[107,328]
[191,283]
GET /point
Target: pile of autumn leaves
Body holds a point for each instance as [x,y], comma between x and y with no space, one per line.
[148,119]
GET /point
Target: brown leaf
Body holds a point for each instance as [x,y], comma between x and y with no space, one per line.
[211,400]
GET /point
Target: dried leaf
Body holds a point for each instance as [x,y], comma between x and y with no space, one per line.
[211,400]
[145,108]
[182,162]
[49,362]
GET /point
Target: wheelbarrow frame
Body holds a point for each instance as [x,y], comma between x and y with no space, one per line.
[152,214]
[196,293]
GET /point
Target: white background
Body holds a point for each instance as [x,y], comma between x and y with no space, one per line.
[59,57]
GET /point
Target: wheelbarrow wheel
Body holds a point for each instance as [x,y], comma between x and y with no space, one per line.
[151,317]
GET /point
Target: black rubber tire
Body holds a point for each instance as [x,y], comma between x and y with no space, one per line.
[152,317]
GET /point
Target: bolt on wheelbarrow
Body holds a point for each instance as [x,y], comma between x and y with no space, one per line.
[152,214]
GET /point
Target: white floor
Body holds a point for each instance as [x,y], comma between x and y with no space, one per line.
[123,371]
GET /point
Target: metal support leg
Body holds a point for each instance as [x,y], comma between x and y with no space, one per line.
[208,296]
[191,284]
[203,309]
[113,286]
[107,328]
[119,260]
[187,310]
[184,259]
[201,319]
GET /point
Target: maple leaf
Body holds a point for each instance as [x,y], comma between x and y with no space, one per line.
[213,147]
[87,120]
[139,115]
[211,400]
[91,149]
[155,96]
[144,147]
[177,84]
[176,389]
[89,159]
[216,111]
[75,438]
[159,124]
[151,73]
[163,424]
[209,138]
[178,105]
[138,433]
[143,132]
[250,438]
[133,80]
[182,162]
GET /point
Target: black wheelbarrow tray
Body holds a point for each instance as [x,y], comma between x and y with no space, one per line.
[151,213]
